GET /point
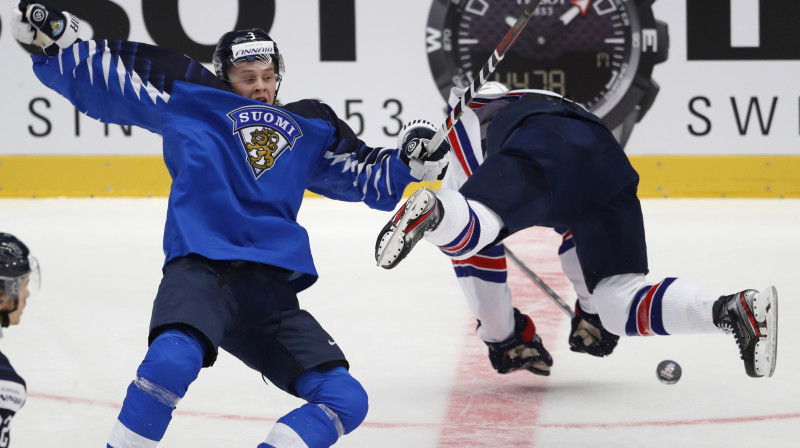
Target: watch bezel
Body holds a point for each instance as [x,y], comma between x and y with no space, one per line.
[633,89]
[641,84]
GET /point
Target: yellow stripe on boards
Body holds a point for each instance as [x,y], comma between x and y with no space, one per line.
[143,176]
[83,176]
[718,176]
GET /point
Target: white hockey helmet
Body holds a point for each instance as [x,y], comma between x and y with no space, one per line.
[490,87]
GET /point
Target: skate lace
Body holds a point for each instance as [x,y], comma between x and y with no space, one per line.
[729,327]
[726,327]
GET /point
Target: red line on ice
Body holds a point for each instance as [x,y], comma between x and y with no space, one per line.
[578,425]
[488,408]
[484,407]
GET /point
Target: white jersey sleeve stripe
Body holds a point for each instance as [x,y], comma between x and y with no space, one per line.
[122,437]
[12,395]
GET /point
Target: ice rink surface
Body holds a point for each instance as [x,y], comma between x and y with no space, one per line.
[410,337]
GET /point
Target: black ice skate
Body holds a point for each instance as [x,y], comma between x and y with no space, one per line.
[522,351]
[421,212]
[752,317]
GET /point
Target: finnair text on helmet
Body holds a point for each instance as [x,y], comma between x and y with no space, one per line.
[252,48]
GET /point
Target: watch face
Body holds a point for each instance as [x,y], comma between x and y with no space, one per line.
[588,50]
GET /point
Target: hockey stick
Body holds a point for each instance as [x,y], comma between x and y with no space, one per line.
[486,71]
[478,82]
[539,282]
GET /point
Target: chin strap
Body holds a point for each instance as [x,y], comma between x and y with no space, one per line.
[4,320]
[275,101]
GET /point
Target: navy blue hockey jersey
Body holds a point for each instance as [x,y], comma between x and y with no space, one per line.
[239,167]
[12,397]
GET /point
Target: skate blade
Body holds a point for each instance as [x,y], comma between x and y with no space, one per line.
[384,259]
[765,310]
[382,253]
[394,246]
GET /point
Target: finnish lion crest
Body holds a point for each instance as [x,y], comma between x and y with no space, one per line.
[265,134]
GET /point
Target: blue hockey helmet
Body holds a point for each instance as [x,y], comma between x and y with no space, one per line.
[16,264]
[238,47]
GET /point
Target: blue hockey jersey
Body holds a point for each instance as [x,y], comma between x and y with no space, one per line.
[239,167]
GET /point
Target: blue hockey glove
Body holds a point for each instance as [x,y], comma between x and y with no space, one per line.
[54,29]
[414,152]
[589,336]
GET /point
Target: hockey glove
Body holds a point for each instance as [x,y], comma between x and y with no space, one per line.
[414,152]
[55,29]
[589,336]
[523,350]
[23,32]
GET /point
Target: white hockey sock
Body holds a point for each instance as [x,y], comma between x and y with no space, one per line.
[490,302]
[466,228]
[629,304]
[572,269]
[687,308]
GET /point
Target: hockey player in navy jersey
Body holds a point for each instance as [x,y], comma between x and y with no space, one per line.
[19,277]
[549,162]
[235,255]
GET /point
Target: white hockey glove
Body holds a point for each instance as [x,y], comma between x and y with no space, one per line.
[413,144]
[54,29]
[23,32]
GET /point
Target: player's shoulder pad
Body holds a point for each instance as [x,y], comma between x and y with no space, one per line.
[311,108]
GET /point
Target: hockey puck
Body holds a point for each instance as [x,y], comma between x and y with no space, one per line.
[668,371]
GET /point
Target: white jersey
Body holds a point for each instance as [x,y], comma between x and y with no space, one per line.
[483,277]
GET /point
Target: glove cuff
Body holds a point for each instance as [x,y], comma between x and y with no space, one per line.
[23,32]
[70,34]
[593,319]
[428,171]
[61,28]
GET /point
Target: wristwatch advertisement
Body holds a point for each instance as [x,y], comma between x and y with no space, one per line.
[600,53]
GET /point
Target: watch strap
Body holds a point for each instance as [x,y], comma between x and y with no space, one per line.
[623,130]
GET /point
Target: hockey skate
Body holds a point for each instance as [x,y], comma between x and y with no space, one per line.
[752,317]
[522,351]
[421,212]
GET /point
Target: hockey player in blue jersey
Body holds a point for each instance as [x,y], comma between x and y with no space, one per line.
[235,255]
[19,278]
[549,162]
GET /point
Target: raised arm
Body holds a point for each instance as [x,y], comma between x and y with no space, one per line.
[120,82]
[350,170]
